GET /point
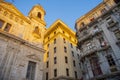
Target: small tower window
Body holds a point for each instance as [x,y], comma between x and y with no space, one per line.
[39,15]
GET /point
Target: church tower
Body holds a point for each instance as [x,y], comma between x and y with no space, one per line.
[36,16]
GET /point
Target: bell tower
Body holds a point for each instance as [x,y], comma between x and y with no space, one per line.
[37,13]
[36,16]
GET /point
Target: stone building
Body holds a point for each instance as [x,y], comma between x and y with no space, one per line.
[21,41]
[61,60]
[98,34]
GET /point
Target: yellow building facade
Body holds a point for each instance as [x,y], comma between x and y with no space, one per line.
[32,28]
[25,42]
[61,60]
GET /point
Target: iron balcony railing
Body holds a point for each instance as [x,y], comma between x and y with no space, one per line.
[94,49]
[86,34]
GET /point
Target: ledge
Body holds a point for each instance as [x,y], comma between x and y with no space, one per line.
[22,41]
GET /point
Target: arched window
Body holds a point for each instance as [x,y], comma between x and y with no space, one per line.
[39,15]
[36,30]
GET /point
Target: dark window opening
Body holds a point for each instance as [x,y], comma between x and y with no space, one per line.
[55,72]
[47,64]
[46,75]
[65,49]
[54,41]
[76,75]
[67,71]
[54,49]
[110,60]
[74,63]
[55,60]
[31,70]
[39,15]
[66,60]
[7,27]
[1,23]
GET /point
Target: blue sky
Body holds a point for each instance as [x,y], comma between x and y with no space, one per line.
[66,10]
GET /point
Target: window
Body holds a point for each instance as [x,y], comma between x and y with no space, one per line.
[55,60]
[110,60]
[75,74]
[54,41]
[72,53]
[103,10]
[78,56]
[71,45]
[95,66]
[48,45]
[55,72]
[31,70]
[76,49]
[39,15]
[55,32]
[64,40]
[46,75]
[47,54]
[80,65]
[65,49]
[92,19]
[69,37]
[74,63]
[48,38]
[36,30]
[63,32]
[47,64]
[66,60]
[7,27]
[54,49]
[89,46]
[1,23]
[82,24]
[103,43]
[110,21]
[117,34]
[67,71]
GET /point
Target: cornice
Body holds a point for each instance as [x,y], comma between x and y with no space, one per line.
[57,35]
[20,14]
[59,24]
[38,6]
[22,41]
[38,20]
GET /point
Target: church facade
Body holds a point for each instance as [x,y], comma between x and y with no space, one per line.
[21,41]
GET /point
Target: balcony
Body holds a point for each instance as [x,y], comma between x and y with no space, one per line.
[112,24]
[104,46]
[118,42]
[89,52]
[95,49]
[109,74]
[96,31]
[84,35]
[87,34]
